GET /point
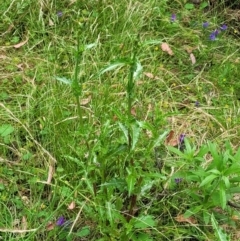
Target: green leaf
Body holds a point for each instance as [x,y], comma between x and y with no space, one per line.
[109,213]
[223,198]
[131,180]
[160,139]
[189,6]
[192,211]
[89,46]
[226,182]
[124,130]
[6,130]
[64,80]
[218,231]
[203,5]
[137,71]
[144,222]
[208,179]
[234,190]
[85,231]
[116,64]
[152,42]
[136,129]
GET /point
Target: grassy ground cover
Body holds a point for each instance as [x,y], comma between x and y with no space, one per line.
[119,120]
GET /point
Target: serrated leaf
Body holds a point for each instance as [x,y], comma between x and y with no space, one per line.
[136,129]
[64,80]
[218,231]
[114,65]
[137,71]
[131,180]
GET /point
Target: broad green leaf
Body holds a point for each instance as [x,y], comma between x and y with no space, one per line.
[226,182]
[208,179]
[145,221]
[189,6]
[234,179]
[222,196]
[203,5]
[85,231]
[214,171]
[114,65]
[220,235]
[234,190]
[64,80]
[6,130]
[232,170]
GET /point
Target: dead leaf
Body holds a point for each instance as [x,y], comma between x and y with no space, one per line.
[86,101]
[50,226]
[193,59]
[24,222]
[165,48]
[3,56]
[20,44]
[50,174]
[149,75]
[171,139]
[133,112]
[72,205]
[50,22]
[181,219]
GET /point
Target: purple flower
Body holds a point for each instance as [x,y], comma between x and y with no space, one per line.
[59,14]
[177,180]
[173,17]
[197,104]
[181,144]
[212,36]
[60,222]
[216,32]
[223,27]
[205,25]
[181,138]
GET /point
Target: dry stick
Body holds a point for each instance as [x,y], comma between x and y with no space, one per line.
[77,217]
[51,158]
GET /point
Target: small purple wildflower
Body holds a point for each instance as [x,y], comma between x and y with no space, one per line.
[59,14]
[197,104]
[212,36]
[181,138]
[205,25]
[223,27]
[60,222]
[216,32]
[173,17]
[177,180]
[181,144]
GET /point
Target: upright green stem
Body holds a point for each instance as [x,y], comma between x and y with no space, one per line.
[77,88]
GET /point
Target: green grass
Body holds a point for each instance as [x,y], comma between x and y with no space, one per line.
[113,157]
